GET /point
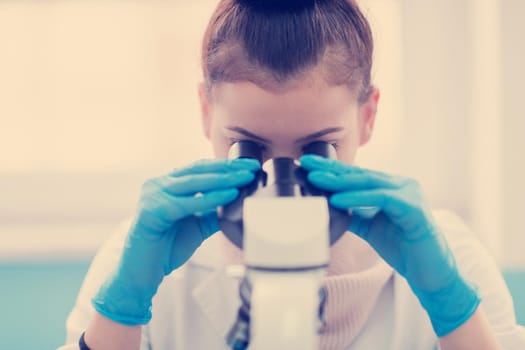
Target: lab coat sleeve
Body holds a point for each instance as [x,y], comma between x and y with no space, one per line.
[102,265]
[479,267]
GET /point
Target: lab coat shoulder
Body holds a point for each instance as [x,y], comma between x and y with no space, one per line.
[102,265]
[412,328]
[478,266]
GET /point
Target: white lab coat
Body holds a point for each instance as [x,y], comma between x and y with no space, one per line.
[196,304]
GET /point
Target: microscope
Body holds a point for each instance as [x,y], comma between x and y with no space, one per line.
[285,227]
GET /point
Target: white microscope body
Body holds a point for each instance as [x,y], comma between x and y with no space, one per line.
[285,227]
[286,244]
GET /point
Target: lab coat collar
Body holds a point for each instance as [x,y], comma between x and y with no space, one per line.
[217,293]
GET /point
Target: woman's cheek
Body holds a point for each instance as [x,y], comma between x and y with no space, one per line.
[220,147]
[346,152]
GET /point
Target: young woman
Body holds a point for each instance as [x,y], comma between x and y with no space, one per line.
[283,74]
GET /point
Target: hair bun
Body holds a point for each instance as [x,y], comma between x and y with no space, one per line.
[277,5]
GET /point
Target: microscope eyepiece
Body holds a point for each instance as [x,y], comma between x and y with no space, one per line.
[245,149]
[279,177]
[320,148]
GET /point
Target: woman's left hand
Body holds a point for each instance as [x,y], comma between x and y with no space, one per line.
[391,214]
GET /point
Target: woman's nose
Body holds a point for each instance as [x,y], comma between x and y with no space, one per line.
[285,153]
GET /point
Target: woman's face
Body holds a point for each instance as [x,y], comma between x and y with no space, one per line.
[284,122]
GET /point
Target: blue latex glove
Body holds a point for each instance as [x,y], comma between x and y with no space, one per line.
[402,230]
[176,213]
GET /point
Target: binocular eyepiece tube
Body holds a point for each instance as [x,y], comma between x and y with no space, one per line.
[279,177]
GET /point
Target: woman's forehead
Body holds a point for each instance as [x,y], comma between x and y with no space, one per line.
[308,103]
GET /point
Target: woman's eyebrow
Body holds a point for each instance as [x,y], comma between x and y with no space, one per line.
[246,133]
[301,140]
[318,134]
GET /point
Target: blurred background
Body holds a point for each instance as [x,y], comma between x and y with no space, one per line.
[97,96]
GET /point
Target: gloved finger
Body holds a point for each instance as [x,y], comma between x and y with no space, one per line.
[313,162]
[188,239]
[352,181]
[217,166]
[365,212]
[208,223]
[384,240]
[181,207]
[391,201]
[187,185]
[404,207]
[360,225]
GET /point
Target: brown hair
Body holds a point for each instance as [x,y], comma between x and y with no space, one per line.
[270,42]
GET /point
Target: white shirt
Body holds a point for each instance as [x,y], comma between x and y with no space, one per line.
[196,305]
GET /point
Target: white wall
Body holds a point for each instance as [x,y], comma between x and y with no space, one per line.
[95,96]
[513,120]
[96,85]
[434,91]
[91,106]
[463,73]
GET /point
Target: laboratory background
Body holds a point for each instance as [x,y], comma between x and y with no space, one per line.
[97,96]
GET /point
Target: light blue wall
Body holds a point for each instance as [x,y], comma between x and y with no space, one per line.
[35,299]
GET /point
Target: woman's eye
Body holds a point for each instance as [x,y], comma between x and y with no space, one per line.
[335,144]
[261,146]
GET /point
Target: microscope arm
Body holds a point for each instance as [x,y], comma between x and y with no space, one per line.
[286,242]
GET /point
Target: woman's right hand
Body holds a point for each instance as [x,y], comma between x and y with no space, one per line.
[176,213]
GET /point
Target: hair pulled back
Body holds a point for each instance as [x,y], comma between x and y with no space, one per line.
[271,42]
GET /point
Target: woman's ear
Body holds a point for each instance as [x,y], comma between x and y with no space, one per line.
[367,116]
[204,100]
